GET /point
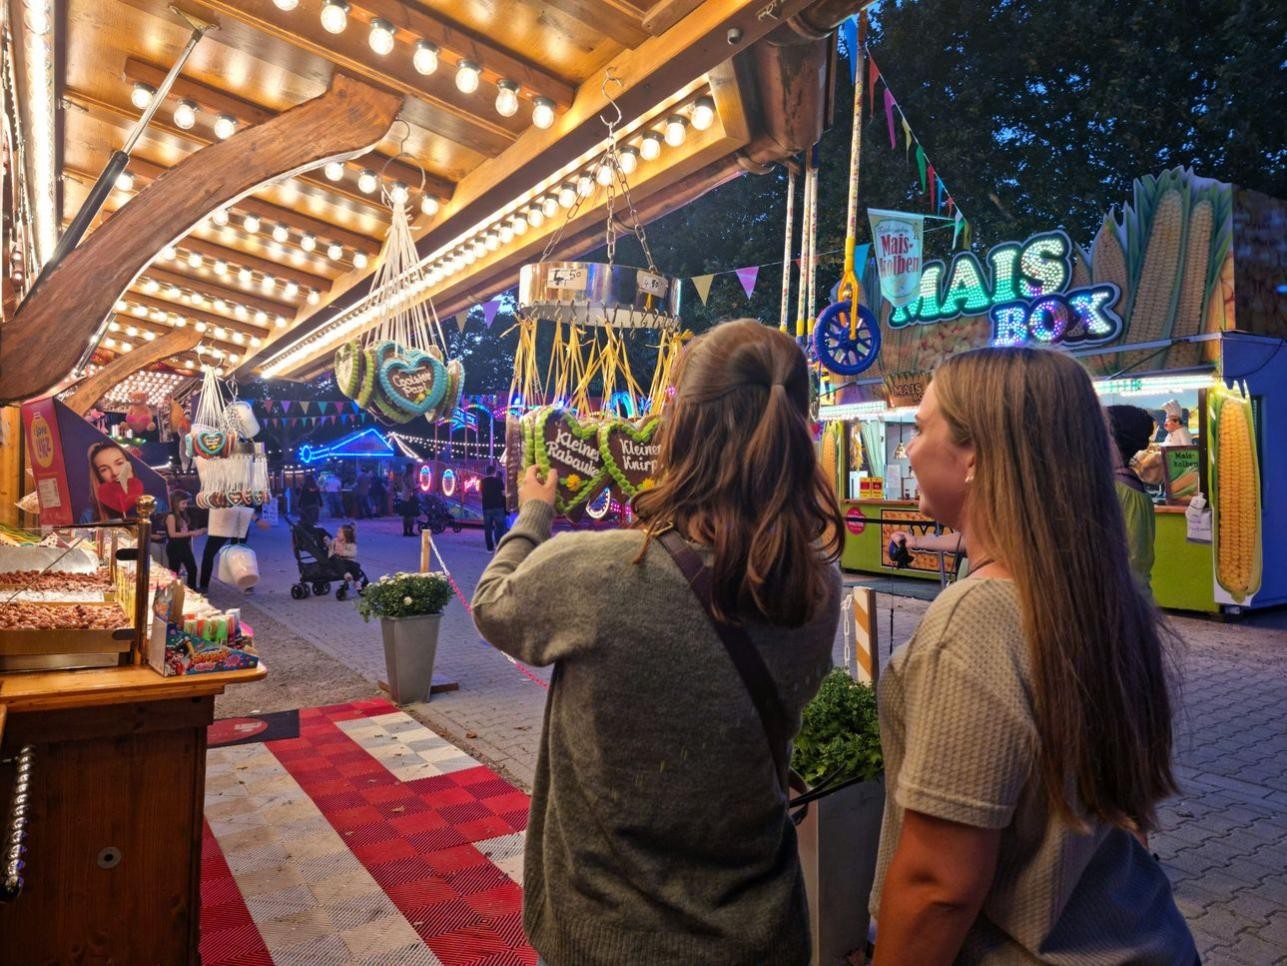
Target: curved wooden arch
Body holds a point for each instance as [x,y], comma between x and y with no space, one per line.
[47,334]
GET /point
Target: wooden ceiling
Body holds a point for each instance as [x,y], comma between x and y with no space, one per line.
[275,265]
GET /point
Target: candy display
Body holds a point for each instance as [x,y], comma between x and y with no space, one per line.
[189,636]
[23,615]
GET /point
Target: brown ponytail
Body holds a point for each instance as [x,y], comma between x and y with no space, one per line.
[737,471]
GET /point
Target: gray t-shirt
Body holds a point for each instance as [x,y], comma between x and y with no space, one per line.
[960,741]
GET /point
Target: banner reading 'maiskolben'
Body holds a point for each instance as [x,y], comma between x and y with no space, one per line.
[897,240]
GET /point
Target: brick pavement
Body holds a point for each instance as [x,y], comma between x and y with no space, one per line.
[1223,843]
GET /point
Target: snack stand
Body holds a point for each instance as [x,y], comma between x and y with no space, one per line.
[1195,324]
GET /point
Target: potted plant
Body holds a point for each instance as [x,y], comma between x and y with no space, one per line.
[838,755]
[409,607]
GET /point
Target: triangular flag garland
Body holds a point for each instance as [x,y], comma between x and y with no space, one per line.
[747,277]
[703,285]
[462,319]
[489,312]
[938,194]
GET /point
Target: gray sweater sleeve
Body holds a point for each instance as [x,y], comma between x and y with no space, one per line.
[521,605]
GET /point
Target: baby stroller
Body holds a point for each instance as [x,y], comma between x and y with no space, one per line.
[317,568]
[435,515]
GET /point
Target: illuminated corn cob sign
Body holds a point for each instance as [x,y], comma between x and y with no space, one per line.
[1024,291]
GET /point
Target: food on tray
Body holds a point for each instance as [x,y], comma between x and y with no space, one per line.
[78,560]
[35,580]
[27,616]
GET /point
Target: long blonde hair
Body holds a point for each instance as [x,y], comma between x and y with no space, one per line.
[1043,501]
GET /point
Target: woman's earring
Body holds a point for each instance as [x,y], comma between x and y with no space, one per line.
[969,477]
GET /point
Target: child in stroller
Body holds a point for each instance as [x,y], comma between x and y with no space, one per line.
[344,562]
[317,567]
[435,515]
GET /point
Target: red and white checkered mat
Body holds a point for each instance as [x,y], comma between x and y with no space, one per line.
[368,839]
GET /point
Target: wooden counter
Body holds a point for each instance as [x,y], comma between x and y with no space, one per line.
[113,864]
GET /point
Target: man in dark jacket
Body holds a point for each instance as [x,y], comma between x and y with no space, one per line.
[495,517]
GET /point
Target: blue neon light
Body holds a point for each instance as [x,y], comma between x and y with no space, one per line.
[367,443]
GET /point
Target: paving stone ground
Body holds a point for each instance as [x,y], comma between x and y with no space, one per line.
[1224,839]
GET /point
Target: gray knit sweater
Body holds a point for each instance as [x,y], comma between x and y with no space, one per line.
[658,834]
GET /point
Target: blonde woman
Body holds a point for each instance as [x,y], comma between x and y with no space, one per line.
[1027,725]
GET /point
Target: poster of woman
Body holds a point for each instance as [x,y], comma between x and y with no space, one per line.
[115,487]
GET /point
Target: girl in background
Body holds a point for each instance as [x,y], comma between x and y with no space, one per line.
[178,538]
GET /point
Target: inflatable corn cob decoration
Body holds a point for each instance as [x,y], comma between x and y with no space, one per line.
[1235,492]
[829,449]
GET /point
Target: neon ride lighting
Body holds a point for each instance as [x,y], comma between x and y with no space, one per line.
[426,478]
[448,482]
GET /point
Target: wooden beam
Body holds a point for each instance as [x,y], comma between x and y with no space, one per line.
[468,123]
[199,315]
[215,290]
[457,43]
[615,20]
[237,257]
[123,366]
[216,101]
[663,15]
[126,116]
[74,295]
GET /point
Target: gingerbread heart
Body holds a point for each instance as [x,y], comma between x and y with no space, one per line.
[630,452]
[209,444]
[558,440]
[350,368]
[412,381]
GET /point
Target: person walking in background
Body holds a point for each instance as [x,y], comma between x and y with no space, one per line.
[1027,725]
[664,837]
[1132,428]
[378,495]
[178,538]
[495,515]
[362,494]
[408,501]
[331,486]
[310,501]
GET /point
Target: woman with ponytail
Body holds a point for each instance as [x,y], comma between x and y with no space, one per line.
[1027,725]
[659,831]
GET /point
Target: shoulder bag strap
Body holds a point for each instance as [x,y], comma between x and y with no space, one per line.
[750,666]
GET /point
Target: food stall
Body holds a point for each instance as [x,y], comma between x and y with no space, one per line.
[1176,306]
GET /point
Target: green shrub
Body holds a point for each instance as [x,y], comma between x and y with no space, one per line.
[405,595]
[840,732]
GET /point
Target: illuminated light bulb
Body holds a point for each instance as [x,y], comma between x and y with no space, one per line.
[241,312]
[180,321]
[220,332]
[335,16]
[676,130]
[550,206]
[367,181]
[256,342]
[200,326]
[650,147]
[233,357]
[168,253]
[381,36]
[221,268]
[109,343]
[506,98]
[131,331]
[220,305]
[506,234]
[425,59]
[141,95]
[585,186]
[185,115]
[251,223]
[359,260]
[220,217]
[261,317]
[113,327]
[173,293]
[121,306]
[267,282]
[156,315]
[567,195]
[470,256]
[535,216]
[314,296]
[467,75]
[287,5]
[491,242]
[333,170]
[307,242]
[149,335]
[480,248]
[334,252]
[628,158]
[150,286]
[398,193]
[225,126]
[126,346]
[139,311]
[194,259]
[281,233]
[703,113]
[238,338]
[280,321]
[542,112]
[125,181]
[244,276]
[519,225]
[291,289]
[604,174]
[435,275]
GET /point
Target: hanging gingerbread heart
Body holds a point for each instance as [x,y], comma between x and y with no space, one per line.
[350,368]
[560,441]
[412,381]
[629,451]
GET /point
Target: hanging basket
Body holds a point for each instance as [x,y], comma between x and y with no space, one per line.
[598,294]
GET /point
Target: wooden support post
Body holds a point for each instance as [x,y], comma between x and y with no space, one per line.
[425,540]
[866,635]
[11,469]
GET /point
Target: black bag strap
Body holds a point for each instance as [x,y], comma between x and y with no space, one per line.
[750,666]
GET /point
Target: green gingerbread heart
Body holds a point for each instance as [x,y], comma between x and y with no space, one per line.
[557,439]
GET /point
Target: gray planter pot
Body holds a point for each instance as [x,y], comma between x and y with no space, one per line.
[838,842]
[410,646]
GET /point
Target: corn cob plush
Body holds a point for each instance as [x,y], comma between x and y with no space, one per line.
[1235,492]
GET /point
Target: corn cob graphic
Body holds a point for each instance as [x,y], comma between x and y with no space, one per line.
[1235,491]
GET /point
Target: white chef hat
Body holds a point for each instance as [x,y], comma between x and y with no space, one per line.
[1172,408]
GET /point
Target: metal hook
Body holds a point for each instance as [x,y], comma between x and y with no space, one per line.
[402,141]
[610,77]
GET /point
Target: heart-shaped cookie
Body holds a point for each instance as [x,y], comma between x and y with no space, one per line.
[629,452]
[209,444]
[559,440]
[412,381]
[350,368]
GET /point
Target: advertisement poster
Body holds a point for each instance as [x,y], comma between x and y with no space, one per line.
[914,525]
[897,241]
[83,476]
[1180,471]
